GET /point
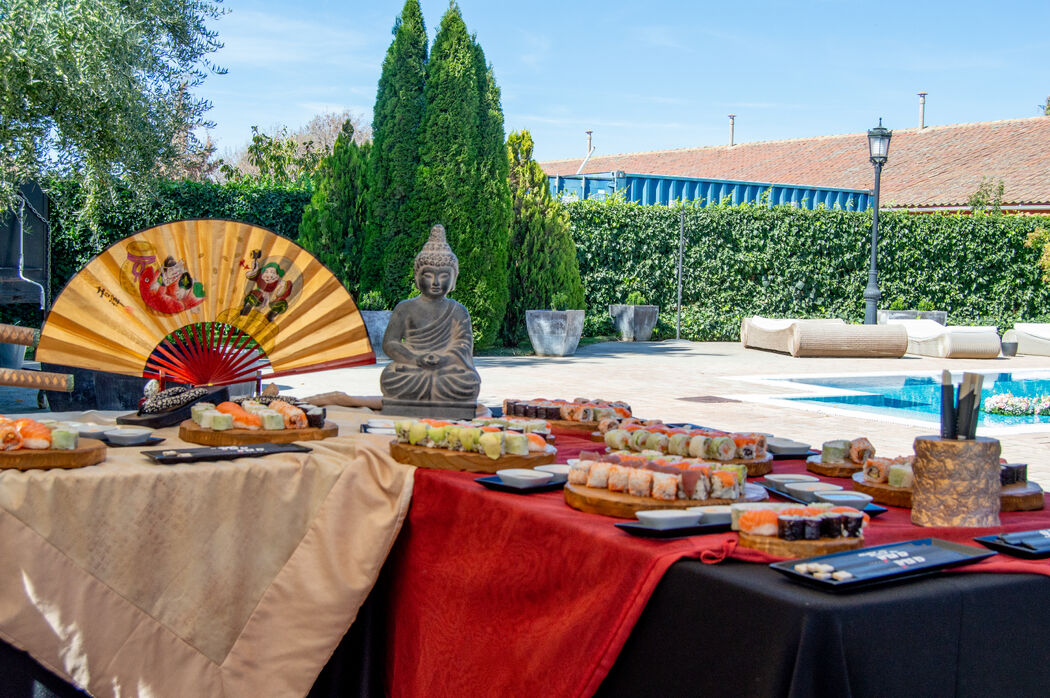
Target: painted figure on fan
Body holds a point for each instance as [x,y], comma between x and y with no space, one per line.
[171,289]
[271,290]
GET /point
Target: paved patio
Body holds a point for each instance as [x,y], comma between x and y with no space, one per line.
[709,383]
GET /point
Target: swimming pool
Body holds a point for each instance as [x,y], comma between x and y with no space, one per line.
[917,396]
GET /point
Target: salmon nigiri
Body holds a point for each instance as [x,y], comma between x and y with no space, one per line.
[34,434]
[242,419]
[759,522]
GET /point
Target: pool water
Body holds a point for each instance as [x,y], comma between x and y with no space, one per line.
[919,396]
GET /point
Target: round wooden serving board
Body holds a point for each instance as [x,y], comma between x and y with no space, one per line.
[1024,496]
[846,469]
[446,459]
[192,432]
[625,506]
[87,452]
[799,548]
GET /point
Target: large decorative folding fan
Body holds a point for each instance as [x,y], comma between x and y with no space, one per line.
[205,302]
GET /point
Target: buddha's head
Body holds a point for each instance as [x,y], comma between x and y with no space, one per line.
[436,267]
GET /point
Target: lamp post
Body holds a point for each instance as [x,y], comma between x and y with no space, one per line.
[878,151]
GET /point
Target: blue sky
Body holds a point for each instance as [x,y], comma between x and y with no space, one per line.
[655,74]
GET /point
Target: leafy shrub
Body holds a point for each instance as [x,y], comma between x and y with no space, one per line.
[372,300]
[635,298]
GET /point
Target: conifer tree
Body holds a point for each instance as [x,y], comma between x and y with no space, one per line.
[542,255]
[461,182]
[333,222]
[396,121]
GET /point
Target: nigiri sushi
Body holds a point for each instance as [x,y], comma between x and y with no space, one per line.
[34,434]
[761,522]
[242,419]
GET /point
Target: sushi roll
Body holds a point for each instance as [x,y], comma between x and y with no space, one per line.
[698,446]
[759,522]
[207,417]
[468,439]
[252,406]
[64,438]
[877,470]
[1013,473]
[900,476]
[835,451]
[271,420]
[619,478]
[852,524]
[315,415]
[638,439]
[724,485]
[811,527]
[695,483]
[598,476]
[221,421]
[831,525]
[790,527]
[516,444]
[198,409]
[665,486]
[860,450]
[746,446]
[578,472]
[640,482]
[617,439]
[537,444]
[721,448]
[657,442]
[678,444]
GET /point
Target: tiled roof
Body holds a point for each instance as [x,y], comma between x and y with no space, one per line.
[935,166]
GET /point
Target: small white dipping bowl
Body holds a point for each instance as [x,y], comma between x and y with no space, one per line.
[782,445]
[846,498]
[808,490]
[669,518]
[523,477]
[780,480]
[92,431]
[714,513]
[127,436]
[558,470]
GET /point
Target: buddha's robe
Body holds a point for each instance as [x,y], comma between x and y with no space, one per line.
[446,333]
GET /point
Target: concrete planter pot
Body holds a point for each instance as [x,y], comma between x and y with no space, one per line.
[940,316]
[375,323]
[635,323]
[554,332]
[12,355]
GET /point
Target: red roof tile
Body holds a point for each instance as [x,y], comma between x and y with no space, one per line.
[935,166]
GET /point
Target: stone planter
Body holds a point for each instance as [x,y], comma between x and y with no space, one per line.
[12,355]
[554,332]
[635,323]
[375,323]
[1008,348]
[940,316]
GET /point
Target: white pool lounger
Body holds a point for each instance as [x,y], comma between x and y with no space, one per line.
[823,337]
[1031,338]
[929,338]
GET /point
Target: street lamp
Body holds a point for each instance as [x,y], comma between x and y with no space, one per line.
[879,152]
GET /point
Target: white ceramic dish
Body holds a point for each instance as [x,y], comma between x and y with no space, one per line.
[713,513]
[808,490]
[559,470]
[91,431]
[127,436]
[381,423]
[669,518]
[846,498]
[781,445]
[523,477]
[779,481]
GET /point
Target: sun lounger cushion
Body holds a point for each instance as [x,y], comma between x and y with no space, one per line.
[823,337]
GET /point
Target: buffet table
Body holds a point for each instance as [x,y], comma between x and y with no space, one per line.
[490,593]
[228,578]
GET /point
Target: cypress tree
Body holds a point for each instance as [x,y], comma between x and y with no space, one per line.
[461,181]
[396,121]
[542,256]
[333,222]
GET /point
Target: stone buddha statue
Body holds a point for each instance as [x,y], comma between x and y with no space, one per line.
[430,344]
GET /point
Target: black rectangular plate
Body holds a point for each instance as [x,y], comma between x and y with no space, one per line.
[872,510]
[150,441]
[795,456]
[365,429]
[173,417]
[870,571]
[493,482]
[199,455]
[994,543]
[640,529]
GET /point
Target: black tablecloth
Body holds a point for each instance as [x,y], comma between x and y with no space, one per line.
[740,629]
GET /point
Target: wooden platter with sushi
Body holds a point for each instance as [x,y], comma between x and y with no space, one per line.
[192,432]
[1021,496]
[622,505]
[446,459]
[771,545]
[87,452]
[843,469]
[584,428]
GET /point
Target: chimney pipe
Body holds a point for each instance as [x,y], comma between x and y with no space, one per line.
[732,123]
[922,110]
[590,149]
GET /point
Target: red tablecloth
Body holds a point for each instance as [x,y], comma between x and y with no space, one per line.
[504,594]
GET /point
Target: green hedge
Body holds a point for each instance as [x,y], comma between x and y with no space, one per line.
[785,262]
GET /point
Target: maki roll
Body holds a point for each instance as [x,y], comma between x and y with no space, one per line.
[1013,473]
[831,525]
[746,446]
[811,527]
[833,452]
[598,476]
[619,476]
[515,444]
[617,439]
[638,439]
[678,444]
[852,524]
[860,450]
[698,446]
[64,438]
[469,438]
[790,527]
[271,419]
[315,415]
[724,485]
[640,482]
[900,476]
[695,483]
[877,470]
[578,472]
[721,448]
[657,442]
[665,486]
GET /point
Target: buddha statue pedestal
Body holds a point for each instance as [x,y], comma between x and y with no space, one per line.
[430,344]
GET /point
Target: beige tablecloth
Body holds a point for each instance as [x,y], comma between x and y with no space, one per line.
[235,578]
